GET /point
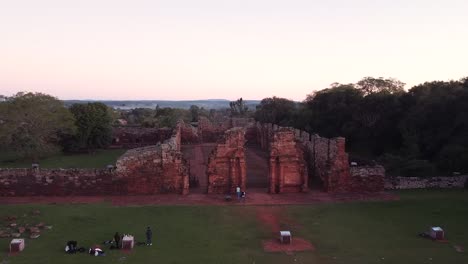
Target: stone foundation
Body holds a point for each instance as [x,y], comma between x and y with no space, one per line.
[393,183]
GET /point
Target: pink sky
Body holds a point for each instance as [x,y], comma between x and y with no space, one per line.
[185,49]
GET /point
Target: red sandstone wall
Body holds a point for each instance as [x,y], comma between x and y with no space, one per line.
[288,170]
[226,165]
[148,170]
[189,134]
[326,159]
[57,182]
[155,169]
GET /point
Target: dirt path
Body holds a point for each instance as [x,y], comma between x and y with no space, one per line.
[275,220]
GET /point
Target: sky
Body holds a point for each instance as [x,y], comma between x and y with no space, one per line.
[202,49]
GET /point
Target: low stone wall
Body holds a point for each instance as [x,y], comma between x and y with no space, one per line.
[148,170]
[57,182]
[367,178]
[392,183]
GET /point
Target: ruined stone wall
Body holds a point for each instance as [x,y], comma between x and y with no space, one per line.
[426,183]
[288,169]
[57,182]
[134,137]
[326,159]
[147,170]
[367,178]
[188,133]
[226,164]
[155,169]
[208,131]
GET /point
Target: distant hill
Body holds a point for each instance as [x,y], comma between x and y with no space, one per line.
[184,104]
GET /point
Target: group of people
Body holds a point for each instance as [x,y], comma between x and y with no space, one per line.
[72,245]
[240,194]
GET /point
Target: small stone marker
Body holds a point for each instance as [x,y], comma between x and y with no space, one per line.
[437,233]
[285,237]
[128,242]
[16,245]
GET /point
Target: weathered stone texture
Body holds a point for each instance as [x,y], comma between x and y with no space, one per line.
[188,133]
[226,165]
[325,159]
[208,131]
[367,178]
[148,170]
[431,182]
[56,182]
[288,170]
[155,169]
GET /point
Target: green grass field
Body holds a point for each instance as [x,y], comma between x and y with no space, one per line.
[347,233]
[99,159]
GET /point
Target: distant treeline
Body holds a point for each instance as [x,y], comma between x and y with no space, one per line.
[152,104]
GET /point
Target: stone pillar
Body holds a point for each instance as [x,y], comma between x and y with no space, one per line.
[243,175]
[272,176]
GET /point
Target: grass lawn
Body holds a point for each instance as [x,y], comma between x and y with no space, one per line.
[361,232]
[99,159]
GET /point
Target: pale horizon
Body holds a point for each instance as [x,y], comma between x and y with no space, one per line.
[193,50]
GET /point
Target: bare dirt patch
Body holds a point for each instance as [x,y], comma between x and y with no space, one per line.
[275,220]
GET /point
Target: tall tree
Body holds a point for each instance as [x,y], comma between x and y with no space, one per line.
[276,110]
[32,124]
[94,123]
[370,85]
[238,108]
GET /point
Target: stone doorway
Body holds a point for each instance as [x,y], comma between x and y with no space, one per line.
[197,159]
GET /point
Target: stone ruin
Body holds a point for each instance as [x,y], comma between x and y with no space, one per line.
[295,161]
[288,169]
[226,166]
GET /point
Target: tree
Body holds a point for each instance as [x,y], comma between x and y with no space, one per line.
[276,110]
[331,110]
[238,108]
[94,123]
[195,112]
[370,85]
[32,124]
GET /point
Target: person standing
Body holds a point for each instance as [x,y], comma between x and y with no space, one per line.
[149,236]
[117,239]
[238,192]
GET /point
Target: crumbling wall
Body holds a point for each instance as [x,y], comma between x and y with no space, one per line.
[147,170]
[367,178]
[188,133]
[155,169]
[288,170]
[426,183]
[57,182]
[208,131]
[134,137]
[226,164]
[326,159]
